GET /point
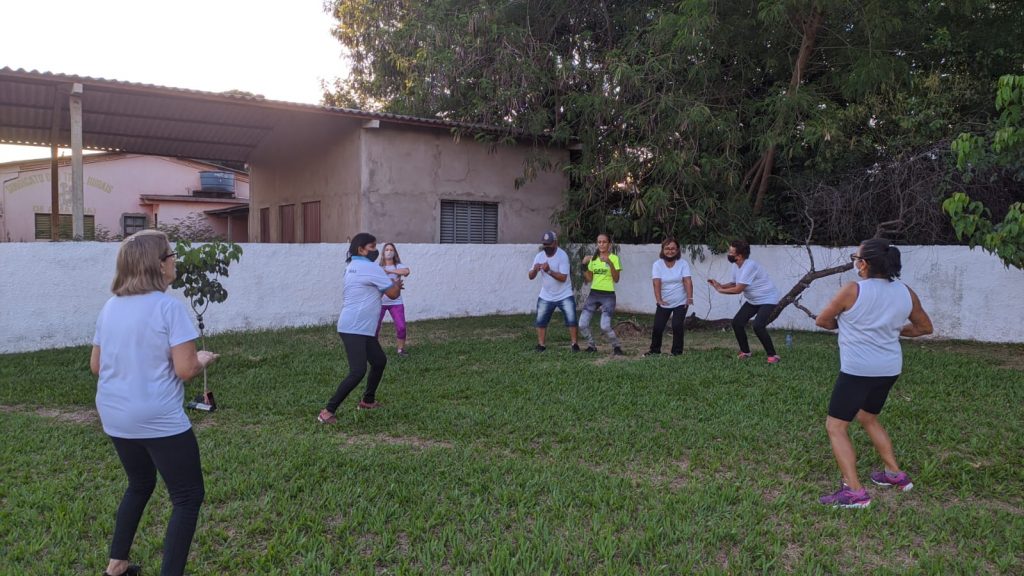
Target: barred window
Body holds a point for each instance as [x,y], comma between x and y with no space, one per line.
[132,223]
[465,222]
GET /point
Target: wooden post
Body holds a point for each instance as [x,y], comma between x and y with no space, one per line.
[77,176]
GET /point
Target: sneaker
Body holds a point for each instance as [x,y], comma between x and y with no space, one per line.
[590,349]
[651,353]
[402,352]
[369,405]
[540,348]
[575,347]
[774,359]
[325,417]
[901,480]
[744,355]
[132,570]
[846,497]
[617,351]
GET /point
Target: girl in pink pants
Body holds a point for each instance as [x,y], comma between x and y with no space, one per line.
[392,264]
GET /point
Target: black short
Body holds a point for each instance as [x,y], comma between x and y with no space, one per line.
[853,393]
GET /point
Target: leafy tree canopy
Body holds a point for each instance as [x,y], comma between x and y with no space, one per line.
[695,118]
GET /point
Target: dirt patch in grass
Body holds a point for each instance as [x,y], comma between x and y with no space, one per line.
[1001,355]
[72,415]
[411,441]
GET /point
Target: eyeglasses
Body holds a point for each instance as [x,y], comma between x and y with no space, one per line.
[854,257]
[168,255]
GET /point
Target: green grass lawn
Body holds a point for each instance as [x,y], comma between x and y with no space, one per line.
[492,459]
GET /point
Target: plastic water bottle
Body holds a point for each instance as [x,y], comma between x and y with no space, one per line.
[789,340]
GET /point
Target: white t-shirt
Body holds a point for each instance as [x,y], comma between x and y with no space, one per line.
[389,268]
[365,282]
[760,289]
[138,394]
[550,289]
[672,291]
[869,332]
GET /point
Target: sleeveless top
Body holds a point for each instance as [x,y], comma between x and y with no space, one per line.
[869,332]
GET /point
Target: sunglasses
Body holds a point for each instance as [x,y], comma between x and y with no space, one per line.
[854,257]
[168,255]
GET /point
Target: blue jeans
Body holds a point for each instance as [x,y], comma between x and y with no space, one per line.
[546,308]
[605,301]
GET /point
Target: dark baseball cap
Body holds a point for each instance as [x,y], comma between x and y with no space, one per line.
[549,238]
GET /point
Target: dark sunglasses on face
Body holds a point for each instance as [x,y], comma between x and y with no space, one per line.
[854,257]
[168,255]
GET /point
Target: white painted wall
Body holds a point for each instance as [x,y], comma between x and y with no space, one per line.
[50,294]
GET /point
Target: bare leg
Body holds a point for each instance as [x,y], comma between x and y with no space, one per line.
[542,334]
[880,438]
[842,449]
[572,334]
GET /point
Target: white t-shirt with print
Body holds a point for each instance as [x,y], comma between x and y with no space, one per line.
[550,289]
[138,394]
[365,282]
[672,291]
[760,289]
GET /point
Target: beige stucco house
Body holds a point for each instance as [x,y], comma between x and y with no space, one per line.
[328,178]
[317,173]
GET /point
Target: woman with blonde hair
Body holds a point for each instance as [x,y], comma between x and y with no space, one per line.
[391,262]
[143,352]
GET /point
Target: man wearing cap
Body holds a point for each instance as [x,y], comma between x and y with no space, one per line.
[552,264]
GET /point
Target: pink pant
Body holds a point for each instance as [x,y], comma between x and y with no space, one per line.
[398,315]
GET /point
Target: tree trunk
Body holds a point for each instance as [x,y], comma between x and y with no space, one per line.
[761,172]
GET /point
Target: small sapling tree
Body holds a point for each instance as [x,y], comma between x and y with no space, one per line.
[199,270]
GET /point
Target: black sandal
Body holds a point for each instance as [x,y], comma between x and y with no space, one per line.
[133,570]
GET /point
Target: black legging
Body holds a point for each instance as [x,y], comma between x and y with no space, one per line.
[177,459]
[360,350]
[661,315]
[739,326]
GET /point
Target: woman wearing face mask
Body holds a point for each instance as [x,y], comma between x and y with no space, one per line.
[392,265]
[751,280]
[365,284]
[871,315]
[673,293]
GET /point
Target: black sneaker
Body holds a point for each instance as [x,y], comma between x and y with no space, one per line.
[540,348]
[617,351]
[575,347]
[590,349]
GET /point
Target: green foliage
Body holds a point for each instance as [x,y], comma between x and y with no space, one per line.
[670,103]
[199,270]
[1002,148]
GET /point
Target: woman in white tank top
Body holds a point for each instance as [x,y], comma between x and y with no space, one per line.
[871,315]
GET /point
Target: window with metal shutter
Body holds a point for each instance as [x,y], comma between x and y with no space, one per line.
[465,222]
[64,233]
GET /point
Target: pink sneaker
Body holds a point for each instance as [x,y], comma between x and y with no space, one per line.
[901,480]
[369,405]
[744,355]
[326,417]
[847,497]
[774,359]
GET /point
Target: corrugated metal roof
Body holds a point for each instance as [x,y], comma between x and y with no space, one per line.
[150,119]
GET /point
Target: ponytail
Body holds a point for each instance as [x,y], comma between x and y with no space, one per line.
[882,257]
